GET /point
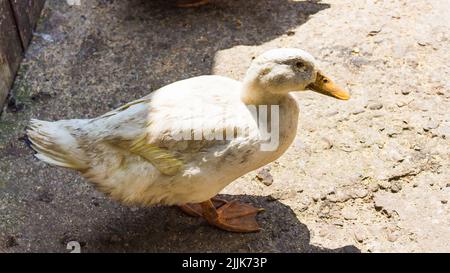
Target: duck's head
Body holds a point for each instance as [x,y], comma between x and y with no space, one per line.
[280,71]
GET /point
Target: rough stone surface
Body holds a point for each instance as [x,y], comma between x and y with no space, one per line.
[370,174]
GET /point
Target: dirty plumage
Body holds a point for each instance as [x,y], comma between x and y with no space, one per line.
[185,142]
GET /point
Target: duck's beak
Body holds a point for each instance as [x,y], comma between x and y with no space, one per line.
[326,86]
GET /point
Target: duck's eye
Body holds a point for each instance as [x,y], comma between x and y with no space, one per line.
[300,65]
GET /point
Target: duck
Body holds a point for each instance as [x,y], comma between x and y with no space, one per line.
[183,143]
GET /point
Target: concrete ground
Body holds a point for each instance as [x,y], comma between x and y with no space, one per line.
[370,174]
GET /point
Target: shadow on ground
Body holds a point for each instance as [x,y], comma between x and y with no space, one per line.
[152,231]
[97,57]
[164,229]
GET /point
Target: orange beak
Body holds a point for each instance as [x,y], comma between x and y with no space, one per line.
[326,86]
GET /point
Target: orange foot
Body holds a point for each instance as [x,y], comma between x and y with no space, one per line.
[231,216]
[191,3]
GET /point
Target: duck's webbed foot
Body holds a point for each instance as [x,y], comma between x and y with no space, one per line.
[191,3]
[231,216]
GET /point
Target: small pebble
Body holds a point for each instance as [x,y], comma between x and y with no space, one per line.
[422,43]
[302,207]
[375,106]
[359,193]
[339,197]
[383,184]
[432,124]
[400,104]
[358,111]
[332,113]
[417,147]
[396,187]
[316,197]
[264,176]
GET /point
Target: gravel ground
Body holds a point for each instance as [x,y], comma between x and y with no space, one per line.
[370,174]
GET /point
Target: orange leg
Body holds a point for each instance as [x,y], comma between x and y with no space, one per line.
[231,216]
[196,210]
[191,3]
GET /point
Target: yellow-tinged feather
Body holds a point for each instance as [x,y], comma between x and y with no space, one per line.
[161,158]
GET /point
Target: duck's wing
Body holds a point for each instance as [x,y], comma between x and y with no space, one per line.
[126,128]
[161,158]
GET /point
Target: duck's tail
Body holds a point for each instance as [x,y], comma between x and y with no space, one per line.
[55,145]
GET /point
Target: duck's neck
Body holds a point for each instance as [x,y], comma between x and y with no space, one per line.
[254,94]
[286,119]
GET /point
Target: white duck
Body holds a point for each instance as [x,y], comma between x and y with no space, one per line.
[186,141]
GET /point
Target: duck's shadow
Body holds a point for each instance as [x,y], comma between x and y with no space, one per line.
[163,229]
